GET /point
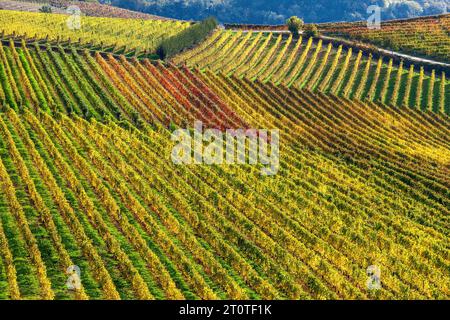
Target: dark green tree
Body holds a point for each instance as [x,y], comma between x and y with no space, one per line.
[295,24]
[187,38]
[45,9]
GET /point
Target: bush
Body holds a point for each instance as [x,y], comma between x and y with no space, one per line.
[45,9]
[295,24]
[187,38]
[311,30]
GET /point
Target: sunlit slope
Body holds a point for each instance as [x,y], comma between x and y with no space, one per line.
[428,36]
[319,66]
[141,35]
[87,179]
[101,87]
[358,185]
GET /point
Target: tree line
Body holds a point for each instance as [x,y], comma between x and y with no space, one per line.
[187,38]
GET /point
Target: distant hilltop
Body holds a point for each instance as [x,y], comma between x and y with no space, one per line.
[277,11]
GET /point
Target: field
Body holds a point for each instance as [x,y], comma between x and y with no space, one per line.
[95,198]
[318,66]
[88,185]
[126,34]
[428,37]
[101,87]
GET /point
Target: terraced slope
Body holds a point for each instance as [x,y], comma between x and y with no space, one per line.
[318,66]
[105,87]
[372,194]
[429,36]
[359,184]
[139,35]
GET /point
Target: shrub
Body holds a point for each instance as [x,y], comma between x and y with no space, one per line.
[311,30]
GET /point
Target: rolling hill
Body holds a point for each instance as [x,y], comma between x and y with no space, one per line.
[276,12]
[107,34]
[93,205]
[319,65]
[426,37]
[91,9]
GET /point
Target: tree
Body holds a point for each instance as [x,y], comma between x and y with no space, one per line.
[187,38]
[311,30]
[295,24]
[46,9]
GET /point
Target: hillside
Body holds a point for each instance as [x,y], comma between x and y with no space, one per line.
[186,236]
[92,9]
[350,170]
[108,34]
[428,37]
[188,254]
[26,6]
[319,66]
[276,12]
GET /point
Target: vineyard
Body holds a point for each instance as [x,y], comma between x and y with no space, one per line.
[87,179]
[318,66]
[120,35]
[72,194]
[96,87]
[428,37]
